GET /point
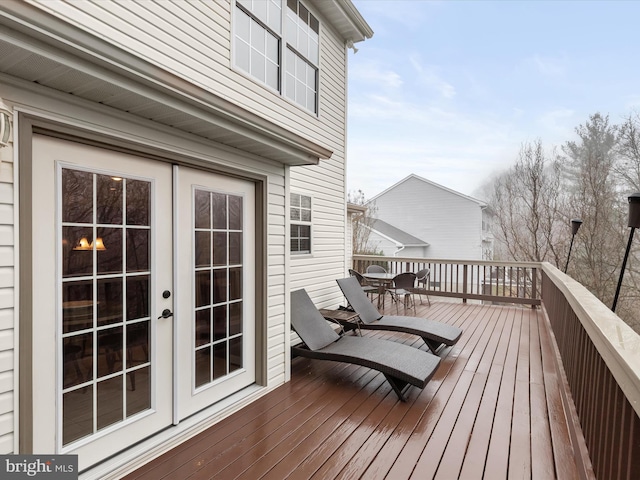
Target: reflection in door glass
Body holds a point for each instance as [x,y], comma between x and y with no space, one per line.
[105,342]
[218,290]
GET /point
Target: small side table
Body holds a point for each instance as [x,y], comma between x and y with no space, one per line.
[347,319]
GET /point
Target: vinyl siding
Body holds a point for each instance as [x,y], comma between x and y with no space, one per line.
[7,312]
[325,183]
[450,223]
[192,40]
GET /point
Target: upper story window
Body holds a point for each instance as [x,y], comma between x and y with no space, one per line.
[300,216]
[279,46]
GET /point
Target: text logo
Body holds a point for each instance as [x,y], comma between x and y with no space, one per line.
[52,467]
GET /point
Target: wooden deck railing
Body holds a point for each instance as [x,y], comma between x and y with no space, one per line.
[504,282]
[601,359]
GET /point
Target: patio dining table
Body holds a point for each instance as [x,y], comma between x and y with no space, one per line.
[382,281]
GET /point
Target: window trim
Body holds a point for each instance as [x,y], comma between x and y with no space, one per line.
[283,47]
[301,222]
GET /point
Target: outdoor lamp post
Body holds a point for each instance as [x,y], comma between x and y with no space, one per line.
[575,226]
[634,222]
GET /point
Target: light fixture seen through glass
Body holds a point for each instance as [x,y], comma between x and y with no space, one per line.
[84,244]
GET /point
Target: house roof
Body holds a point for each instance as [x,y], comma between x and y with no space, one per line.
[480,203]
[355,208]
[396,235]
[344,16]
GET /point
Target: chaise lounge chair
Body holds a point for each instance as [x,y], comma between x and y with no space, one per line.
[435,334]
[401,365]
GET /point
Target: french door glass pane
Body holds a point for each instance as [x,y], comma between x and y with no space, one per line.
[218,292]
[106,329]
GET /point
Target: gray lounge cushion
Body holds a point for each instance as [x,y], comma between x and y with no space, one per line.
[430,330]
[309,323]
[401,365]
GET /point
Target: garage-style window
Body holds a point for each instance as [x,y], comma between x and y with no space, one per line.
[277,42]
[300,216]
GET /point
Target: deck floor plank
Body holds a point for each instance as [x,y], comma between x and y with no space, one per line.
[500,440]
[453,456]
[397,440]
[565,466]
[492,410]
[478,446]
[541,451]
[409,456]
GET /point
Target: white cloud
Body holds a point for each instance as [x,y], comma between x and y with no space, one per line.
[428,76]
[557,125]
[456,150]
[548,66]
[373,73]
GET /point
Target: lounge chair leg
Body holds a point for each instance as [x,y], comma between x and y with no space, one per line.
[398,386]
[433,346]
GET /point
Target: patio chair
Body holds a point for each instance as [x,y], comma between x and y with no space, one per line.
[401,365]
[435,334]
[402,287]
[376,269]
[423,278]
[367,288]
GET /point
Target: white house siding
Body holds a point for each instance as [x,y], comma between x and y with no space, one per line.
[191,40]
[7,337]
[451,223]
[325,183]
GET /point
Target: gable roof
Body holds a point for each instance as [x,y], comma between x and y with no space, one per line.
[480,203]
[346,18]
[396,235]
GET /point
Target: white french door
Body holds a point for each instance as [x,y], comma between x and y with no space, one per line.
[102,360]
[120,352]
[216,259]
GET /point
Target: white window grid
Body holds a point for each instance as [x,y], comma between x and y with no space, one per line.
[261,49]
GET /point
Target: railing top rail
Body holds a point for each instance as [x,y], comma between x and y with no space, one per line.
[378,258]
[617,343]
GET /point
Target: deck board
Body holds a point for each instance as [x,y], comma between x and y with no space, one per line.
[492,410]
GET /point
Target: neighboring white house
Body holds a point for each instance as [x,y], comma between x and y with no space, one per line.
[173,171]
[419,218]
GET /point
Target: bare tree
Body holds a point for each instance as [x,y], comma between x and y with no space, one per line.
[589,165]
[534,200]
[361,227]
[527,203]
[627,167]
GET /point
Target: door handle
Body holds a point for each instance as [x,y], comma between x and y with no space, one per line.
[166,313]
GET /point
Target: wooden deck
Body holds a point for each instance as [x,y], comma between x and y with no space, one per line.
[493,410]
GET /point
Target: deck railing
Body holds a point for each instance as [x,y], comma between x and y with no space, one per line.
[598,354]
[503,282]
[601,359]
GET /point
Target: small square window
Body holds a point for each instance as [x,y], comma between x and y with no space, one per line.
[300,216]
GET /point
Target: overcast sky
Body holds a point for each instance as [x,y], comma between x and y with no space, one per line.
[449,90]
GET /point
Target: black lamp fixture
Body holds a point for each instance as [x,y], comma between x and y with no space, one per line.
[575,226]
[634,222]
